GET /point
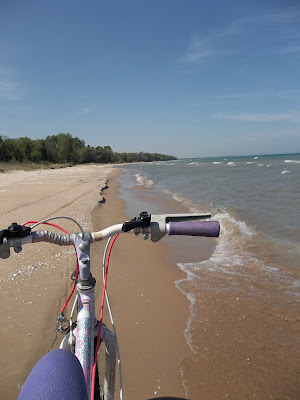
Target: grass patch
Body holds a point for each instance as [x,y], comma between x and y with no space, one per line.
[15,166]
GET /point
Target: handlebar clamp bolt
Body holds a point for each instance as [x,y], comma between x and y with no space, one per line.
[17,246]
[84,260]
[145,236]
[83,247]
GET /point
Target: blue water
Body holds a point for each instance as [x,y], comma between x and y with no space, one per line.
[253,274]
[253,196]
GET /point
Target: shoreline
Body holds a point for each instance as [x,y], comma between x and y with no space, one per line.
[150,313]
[176,250]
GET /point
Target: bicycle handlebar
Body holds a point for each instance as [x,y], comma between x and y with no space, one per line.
[157,226]
[195,228]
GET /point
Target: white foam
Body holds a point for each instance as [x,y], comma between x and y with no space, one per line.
[232,248]
[231,164]
[230,258]
[218,162]
[143,180]
[292,161]
[190,276]
[286,171]
[250,162]
[186,201]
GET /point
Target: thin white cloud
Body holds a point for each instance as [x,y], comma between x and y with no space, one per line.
[85,110]
[232,96]
[285,17]
[212,45]
[292,93]
[259,117]
[9,89]
[200,50]
[246,95]
[193,105]
[290,49]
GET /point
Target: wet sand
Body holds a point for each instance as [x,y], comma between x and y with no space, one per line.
[150,312]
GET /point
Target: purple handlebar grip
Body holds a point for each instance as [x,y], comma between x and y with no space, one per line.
[195,228]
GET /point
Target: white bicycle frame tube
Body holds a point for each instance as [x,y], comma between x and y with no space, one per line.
[84,345]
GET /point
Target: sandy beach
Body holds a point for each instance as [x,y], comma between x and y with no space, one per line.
[34,283]
[150,312]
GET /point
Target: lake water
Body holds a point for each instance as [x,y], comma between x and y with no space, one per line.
[255,260]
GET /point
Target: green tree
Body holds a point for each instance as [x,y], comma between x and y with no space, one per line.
[38,151]
[51,148]
[64,147]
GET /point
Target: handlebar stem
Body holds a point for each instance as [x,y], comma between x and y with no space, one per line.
[82,245]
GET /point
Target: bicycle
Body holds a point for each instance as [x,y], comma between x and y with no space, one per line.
[80,345]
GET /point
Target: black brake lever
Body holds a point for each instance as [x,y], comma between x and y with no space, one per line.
[14,231]
[143,221]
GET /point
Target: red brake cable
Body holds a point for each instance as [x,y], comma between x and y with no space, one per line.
[101,318]
[77,265]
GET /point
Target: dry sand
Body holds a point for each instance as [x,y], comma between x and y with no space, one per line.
[34,283]
[151,313]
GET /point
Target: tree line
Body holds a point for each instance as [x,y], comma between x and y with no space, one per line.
[63,148]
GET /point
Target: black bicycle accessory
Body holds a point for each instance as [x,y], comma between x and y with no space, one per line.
[14,231]
[143,221]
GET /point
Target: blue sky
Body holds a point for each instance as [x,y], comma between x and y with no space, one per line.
[182,77]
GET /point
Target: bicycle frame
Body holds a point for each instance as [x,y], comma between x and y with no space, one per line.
[87,328]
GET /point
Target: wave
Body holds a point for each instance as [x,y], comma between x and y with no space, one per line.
[231,164]
[144,180]
[184,200]
[232,245]
[292,161]
[229,261]
[286,171]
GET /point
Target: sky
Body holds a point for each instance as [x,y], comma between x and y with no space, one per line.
[181,77]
